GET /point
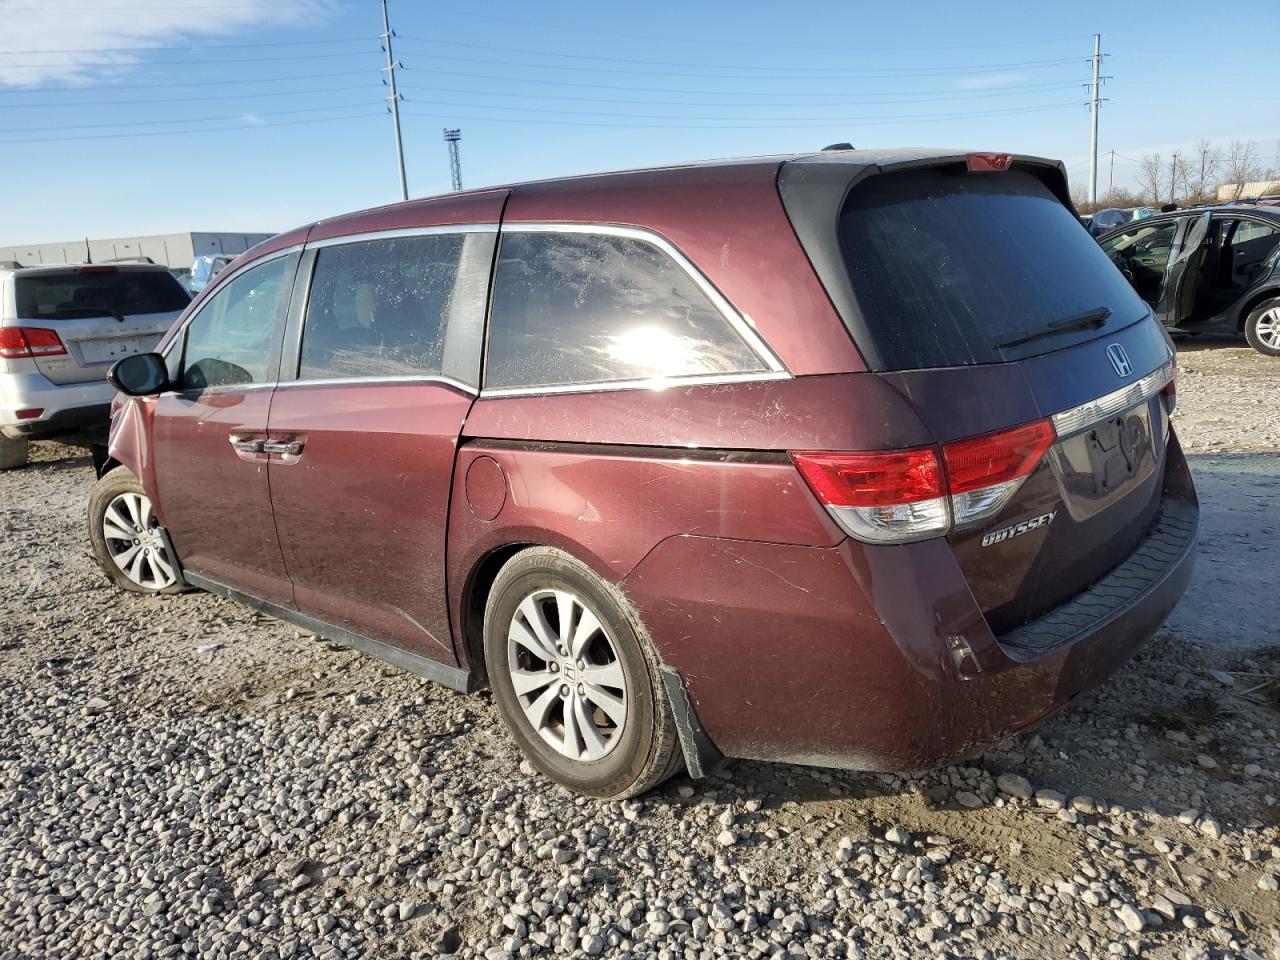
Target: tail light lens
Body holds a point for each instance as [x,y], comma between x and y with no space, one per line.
[18,342]
[889,496]
[1170,393]
[984,472]
[895,496]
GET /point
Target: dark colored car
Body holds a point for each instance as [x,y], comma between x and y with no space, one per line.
[855,458]
[1207,269]
[1112,217]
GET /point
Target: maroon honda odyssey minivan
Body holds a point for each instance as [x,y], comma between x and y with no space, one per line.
[857,458]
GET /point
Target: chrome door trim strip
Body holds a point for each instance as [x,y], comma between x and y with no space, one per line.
[741,325]
[398,232]
[1091,412]
[360,381]
[656,383]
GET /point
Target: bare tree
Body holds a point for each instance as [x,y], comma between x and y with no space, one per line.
[1150,175]
[1177,174]
[1242,165]
[1202,167]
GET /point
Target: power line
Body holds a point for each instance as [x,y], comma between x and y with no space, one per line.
[234,96]
[763,120]
[143,46]
[171,133]
[770,125]
[824,74]
[120,63]
[720,42]
[597,86]
[193,83]
[685,63]
[922,96]
[152,123]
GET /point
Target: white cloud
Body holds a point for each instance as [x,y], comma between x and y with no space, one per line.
[105,38]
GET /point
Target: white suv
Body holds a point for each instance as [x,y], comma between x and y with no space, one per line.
[61,327]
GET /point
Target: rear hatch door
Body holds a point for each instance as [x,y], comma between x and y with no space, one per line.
[978,295]
[101,313]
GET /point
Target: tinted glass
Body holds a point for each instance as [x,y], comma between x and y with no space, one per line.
[952,268]
[380,308]
[1248,230]
[68,296]
[585,308]
[234,339]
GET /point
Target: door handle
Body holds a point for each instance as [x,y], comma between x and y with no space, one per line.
[291,449]
[247,446]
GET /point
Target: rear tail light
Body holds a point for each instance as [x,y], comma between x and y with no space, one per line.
[18,342]
[1170,393]
[883,497]
[895,496]
[984,472]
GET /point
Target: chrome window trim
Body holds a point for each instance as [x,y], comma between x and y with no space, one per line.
[740,324]
[1091,412]
[656,383]
[357,381]
[398,232]
[220,389]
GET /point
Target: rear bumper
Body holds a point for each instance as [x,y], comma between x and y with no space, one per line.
[66,408]
[786,659]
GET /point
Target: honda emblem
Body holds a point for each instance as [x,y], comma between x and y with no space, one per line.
[1119,360]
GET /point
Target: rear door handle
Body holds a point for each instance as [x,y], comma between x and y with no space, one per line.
[290,449]
[247,446]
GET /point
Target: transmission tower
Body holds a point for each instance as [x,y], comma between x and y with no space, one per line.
[452,138]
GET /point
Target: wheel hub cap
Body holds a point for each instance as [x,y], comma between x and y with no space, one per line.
[1268,328]
[136,542]
[566,674]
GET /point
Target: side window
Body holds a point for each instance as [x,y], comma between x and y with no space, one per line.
[1249,230]
[235,338]
[571,308]
[380,307]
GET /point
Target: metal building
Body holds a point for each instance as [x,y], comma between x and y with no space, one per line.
[171,249]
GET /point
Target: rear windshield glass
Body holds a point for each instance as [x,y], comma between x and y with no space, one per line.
[953,268]
[68,296]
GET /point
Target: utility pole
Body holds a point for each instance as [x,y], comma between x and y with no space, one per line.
[452,138]
[395,98]
[1111,181]
[1093,139]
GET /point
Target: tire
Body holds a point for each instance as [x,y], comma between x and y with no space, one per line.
[118,509]
[613,664]
[1262,328]
[14,453]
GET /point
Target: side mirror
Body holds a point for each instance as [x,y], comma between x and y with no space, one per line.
[142,375]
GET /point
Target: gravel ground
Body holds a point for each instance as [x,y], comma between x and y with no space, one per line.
[183,777]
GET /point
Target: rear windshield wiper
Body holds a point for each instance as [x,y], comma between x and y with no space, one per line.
[1089,320]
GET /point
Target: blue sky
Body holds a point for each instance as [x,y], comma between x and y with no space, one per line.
[139,116]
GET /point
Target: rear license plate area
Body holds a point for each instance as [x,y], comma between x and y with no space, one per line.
[111,350]
[1098,466]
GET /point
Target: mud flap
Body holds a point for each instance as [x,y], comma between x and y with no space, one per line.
[701,756]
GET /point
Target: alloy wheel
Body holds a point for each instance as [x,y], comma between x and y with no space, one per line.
[1267,328]
[136,542]
[566,674]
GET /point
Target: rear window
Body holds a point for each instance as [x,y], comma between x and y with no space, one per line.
[71,295]
[951,269]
